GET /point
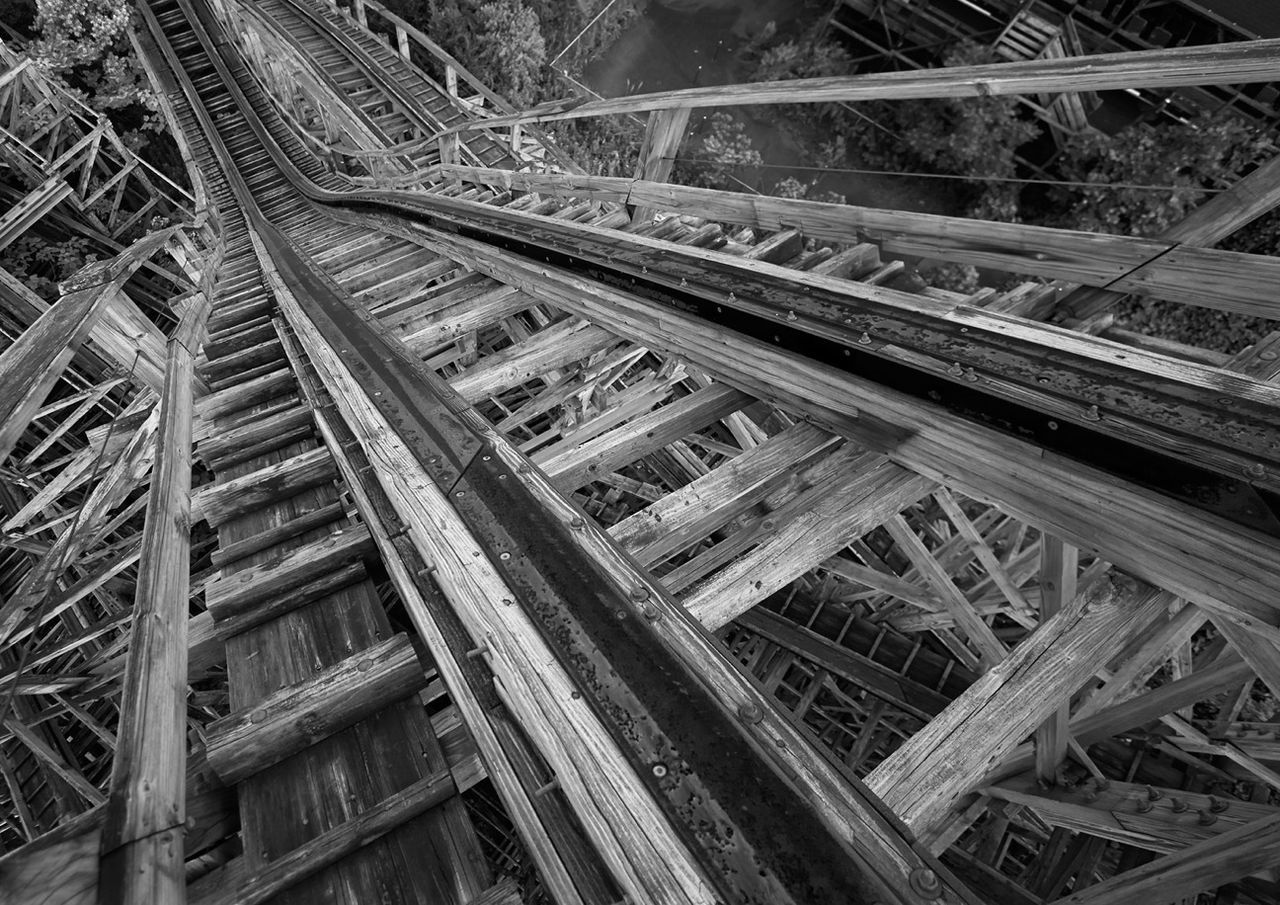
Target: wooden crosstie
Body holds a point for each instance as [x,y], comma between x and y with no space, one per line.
[469,528]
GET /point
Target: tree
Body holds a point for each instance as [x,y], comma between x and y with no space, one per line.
[1186,157]
[509,47]
[719,152]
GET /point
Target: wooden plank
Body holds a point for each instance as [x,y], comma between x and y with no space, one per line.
[925,778]
[1246,61]
[1206,865]
[1167,268]
[1191,553]
[58,873]
[142,843]
[868,492]
[580,465]
[1059,571]
[662,137]
[230,595]
[32,364]
[334,844]
[221,502]
[692,512]
[301,715]
[991,650]
[1128,813]
[590,770]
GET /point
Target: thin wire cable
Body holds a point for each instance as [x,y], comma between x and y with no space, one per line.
[38,612]
[1013,179]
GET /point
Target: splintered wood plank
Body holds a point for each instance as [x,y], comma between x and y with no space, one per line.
[866,491]
[695,510]
[924,779]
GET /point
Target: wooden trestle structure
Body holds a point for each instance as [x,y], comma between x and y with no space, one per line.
[415,517]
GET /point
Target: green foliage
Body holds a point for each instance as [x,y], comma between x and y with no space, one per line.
[40,263]
[1188,157]
[717,154]
[603,146]
[510,49]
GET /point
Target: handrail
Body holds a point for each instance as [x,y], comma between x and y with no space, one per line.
[1252,61]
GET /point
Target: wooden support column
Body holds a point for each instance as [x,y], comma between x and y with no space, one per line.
[924,779]
[142,840]
[662,136]
[1059,568]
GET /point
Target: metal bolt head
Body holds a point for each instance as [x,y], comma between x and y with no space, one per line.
[1217,805]
[1144,806]
[659,770]
[1179,806]
[750,713]
[639,593]
[1153,794]
[925,882]
[652,613]
[577,522]
[504,556]
[1206,818]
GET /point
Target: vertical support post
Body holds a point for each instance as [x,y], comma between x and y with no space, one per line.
[662,136]
[1059,569]
[142,847]
[402,42]
[451,80]
[362,15]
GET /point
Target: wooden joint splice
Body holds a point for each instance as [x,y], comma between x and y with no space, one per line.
[335,844]
[232,595]
[219,503]
[298,716]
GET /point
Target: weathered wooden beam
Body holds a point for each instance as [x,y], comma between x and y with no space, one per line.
[662,136]
[592,770]
[990,648]
[142,842]
[902,692]
[219,503]
[1205,865]
[62,871]
[1059,571]
[691,513]
[869,491]
[1167,267]
[30,367]
[581,464]
[924,779]
[1246,61]
[1191,553]
[334,844]
[299,716]
[1156,819]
